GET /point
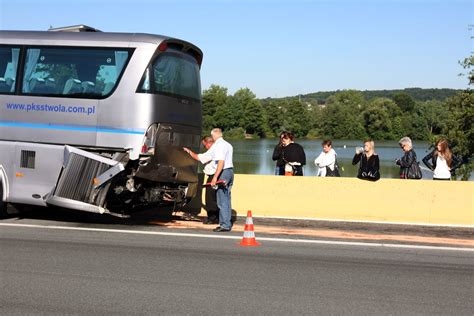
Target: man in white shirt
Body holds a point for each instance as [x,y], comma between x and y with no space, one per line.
[209,170]
[223,154]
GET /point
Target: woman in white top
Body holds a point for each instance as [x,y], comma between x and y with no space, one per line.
[442,161]
[326,160]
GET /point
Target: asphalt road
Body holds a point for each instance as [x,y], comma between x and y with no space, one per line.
[58,271]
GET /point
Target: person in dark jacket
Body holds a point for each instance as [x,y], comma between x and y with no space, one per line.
[408,160]
[369,162]
[442,161]
[278,155]
[292,155]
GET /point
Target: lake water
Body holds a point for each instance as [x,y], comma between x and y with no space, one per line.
[255,156]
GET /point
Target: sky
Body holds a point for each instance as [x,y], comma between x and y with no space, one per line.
[287,47]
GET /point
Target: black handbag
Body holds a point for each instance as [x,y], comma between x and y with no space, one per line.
[333,173]
[414,171]
[371,175]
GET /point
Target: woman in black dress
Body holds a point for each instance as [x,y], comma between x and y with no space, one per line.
[369,164]
[289,155]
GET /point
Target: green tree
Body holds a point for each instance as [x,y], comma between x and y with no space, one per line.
[254,122]
[224,116]
[434,114]
[273,113]
[316,119]
[352,98]
[404,101]
[296,118]
[341,118]
[459,128]
[414,126]
[212,98]
[426,120]
[467,64]
[251,119]
[377,119]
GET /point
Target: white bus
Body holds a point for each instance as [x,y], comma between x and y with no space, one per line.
[96,121]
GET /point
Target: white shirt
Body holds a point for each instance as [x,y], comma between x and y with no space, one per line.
[442,170]
[210,168]
[223,151]
[207,159]
[323,160]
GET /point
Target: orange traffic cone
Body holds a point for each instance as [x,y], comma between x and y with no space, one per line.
[249,234]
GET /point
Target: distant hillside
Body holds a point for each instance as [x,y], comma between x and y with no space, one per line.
[417,94]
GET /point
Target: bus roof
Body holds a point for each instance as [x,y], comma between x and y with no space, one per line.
[104,39]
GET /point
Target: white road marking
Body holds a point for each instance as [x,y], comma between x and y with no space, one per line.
[303,241]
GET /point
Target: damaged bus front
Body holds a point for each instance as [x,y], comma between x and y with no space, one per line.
[96,121]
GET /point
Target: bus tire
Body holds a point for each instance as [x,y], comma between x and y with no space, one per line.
[3,205]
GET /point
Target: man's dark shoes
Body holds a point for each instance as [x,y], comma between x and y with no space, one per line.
[210,221]
[221,229]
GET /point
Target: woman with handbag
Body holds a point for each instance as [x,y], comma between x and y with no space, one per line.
[368,160]
[442,161]
[293,156]
[289,155]
[409,167]
[326,161]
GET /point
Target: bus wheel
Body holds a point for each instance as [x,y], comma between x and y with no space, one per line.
[3,205]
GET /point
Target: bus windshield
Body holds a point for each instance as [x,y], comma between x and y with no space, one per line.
[173,74]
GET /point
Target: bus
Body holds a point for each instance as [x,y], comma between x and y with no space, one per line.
[96,121]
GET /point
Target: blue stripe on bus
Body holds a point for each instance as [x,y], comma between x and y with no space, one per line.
[73,128]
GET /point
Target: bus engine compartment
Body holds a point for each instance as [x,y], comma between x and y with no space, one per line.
[112,183]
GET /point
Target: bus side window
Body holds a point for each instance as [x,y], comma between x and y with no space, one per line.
[72,86]
[8,68]
[73,71]
[3,85]
[37,85]
[88,87]
[107,88]
[11,83]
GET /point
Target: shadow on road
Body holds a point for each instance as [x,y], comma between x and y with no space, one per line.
[58,214]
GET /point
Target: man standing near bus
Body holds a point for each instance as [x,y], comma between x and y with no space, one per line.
[210,166]
[222,153]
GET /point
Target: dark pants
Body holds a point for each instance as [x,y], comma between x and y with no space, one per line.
[298,170]
[280,170]
[211,201]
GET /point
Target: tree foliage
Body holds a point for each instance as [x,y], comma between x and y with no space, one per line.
[212,99]
[346,114]
[404,101]
[468,65]
[459,128]
[341,118]
[378,117]
[252,119]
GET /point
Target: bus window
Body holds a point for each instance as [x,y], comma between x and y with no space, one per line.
[8,66]
[173,74]
[74,72]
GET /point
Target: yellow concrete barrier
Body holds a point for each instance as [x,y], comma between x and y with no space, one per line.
[351,199]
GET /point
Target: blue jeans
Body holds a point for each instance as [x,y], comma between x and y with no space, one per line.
[280,171]
[223,198]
